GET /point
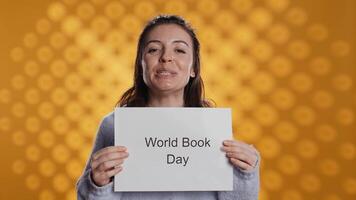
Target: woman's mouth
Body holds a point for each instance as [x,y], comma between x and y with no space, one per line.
[165,73]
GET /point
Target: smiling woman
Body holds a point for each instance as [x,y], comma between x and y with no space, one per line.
[167,62]
[168,52]
[167,74]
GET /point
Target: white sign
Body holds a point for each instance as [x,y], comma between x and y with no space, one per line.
[173,149]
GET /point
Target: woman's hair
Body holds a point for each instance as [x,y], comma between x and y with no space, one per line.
[137,95]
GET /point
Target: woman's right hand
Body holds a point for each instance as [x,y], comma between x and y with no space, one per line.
[106,163]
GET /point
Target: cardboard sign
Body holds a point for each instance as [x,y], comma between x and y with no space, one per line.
[173,149]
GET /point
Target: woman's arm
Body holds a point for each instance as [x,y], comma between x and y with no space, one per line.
[246,185]
[86,188]
[245,160]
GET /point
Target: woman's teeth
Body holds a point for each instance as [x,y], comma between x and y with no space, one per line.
[164,73]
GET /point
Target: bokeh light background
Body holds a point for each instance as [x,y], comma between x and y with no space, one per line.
[287,68]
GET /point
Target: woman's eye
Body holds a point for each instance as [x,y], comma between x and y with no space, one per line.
[152,50]
[180,51]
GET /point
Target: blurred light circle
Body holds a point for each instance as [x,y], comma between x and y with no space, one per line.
[30,40]
[43,26]
[307,149]
[289,164]
[278,5]
[272,180]
[19,138]
[283,98]
[301,82]
[85,10]
[71,25]
[296,16]
[17,54]
[31,68]
[46,110]
[310,183]
[32,182]
[114,9]
[61,183]
[323,99]
[60,124]
[349,185]
[56,11]
[279,30]
[317,32]
[342,82]
[58,40]
[340,48]
[18,167]
[46,139]
[329,167]
[45,54]
[60,153]
[347,150]
[260,18]
[285,131]
[292,194]
[265,114]
[32,153]
[47,195]
[269,147]
[280,66]
[299,49]
[47,168]
[242,6]
[59,68]
[325,133]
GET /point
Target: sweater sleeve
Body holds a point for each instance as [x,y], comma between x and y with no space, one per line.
[246,185]
[86,189]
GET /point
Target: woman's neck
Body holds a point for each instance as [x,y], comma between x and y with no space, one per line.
[166,100]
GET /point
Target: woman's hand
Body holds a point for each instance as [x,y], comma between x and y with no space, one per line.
[241,154]
[106,163]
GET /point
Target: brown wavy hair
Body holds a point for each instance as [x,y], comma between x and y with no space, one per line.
[137,95]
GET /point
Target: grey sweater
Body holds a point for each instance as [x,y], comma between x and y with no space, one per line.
[246,184]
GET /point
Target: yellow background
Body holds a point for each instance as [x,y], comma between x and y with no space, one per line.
[287,68]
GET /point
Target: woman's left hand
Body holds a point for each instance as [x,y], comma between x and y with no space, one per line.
[241,154]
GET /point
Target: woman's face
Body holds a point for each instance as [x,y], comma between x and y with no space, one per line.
[167,59]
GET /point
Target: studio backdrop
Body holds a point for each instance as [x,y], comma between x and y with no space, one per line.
[285,67]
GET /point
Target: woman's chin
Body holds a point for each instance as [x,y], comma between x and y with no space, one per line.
[167,88]
[163,84]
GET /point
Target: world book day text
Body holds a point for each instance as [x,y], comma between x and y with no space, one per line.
[185,142]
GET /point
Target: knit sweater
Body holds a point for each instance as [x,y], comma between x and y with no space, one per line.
[245,183]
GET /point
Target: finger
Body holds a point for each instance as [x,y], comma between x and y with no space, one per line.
[108,174]
[240,164]
[243,156]
[253,149]
[236,143]
[108,165]
[109,149]
[113,172]
[109,157]
[232,149]
[236,149]
[252,154]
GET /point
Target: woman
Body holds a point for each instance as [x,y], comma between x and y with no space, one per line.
[167,74]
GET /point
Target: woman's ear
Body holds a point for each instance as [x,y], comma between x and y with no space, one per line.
[192,73]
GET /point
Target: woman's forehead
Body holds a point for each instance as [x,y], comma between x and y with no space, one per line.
[169,33]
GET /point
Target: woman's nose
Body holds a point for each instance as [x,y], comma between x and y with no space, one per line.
[166,56]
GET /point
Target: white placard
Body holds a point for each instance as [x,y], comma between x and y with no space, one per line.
[173,149]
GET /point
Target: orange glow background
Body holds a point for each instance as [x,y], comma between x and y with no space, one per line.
[286,68]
